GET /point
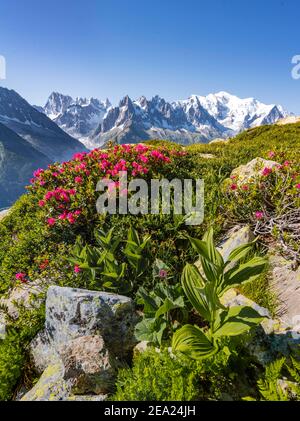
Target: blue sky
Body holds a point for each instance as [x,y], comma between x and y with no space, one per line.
[173,48]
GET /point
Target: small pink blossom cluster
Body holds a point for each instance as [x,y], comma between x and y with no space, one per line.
[158,155]
[266,171]
[22,277]
[60,195]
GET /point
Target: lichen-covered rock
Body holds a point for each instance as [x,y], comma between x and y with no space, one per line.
[42,353]
[250,171]
[86,335]
[87,361]
[51,386]
[2,325]
[86,398]
[72,313]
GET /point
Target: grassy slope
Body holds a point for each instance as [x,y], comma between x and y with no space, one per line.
[23,238]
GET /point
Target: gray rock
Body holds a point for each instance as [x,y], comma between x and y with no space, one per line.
[141,347]
[86,335]
[250,171]
[42,352]
[4,213]
[86,398]
[2,325]
[232,298]
[207,155]
[236,237]
[72,313]
[87,361]
[51,386]
[285,282]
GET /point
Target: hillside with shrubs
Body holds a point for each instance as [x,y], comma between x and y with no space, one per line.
[175,275]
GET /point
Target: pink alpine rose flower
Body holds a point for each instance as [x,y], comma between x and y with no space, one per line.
[259,215]
[77,269]
[21,277]
[266,171]
[78,180]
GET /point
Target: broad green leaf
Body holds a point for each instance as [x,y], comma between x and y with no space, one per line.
[200,247]
[240,252]
[215,256]
[150,305]
[149,329]
[237,320]
[193,283]
[246,272]
[192,341]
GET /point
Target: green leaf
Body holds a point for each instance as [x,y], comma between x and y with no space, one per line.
[215,256]
[240,252]
[150,306]
[200,247]
[237,320]
[211,260]
[150,329]
[193,283]
[169,305]
[246,272]
[193,342]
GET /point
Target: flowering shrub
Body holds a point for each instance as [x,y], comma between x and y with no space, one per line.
[66,192]
[270,200]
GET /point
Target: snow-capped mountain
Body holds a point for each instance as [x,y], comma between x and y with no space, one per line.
[35,127]
[79,117]
[133,121]
[197,119]
[239,114]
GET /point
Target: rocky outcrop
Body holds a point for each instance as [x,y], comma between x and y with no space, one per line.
[87,335]
[27,295]
[285,282]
